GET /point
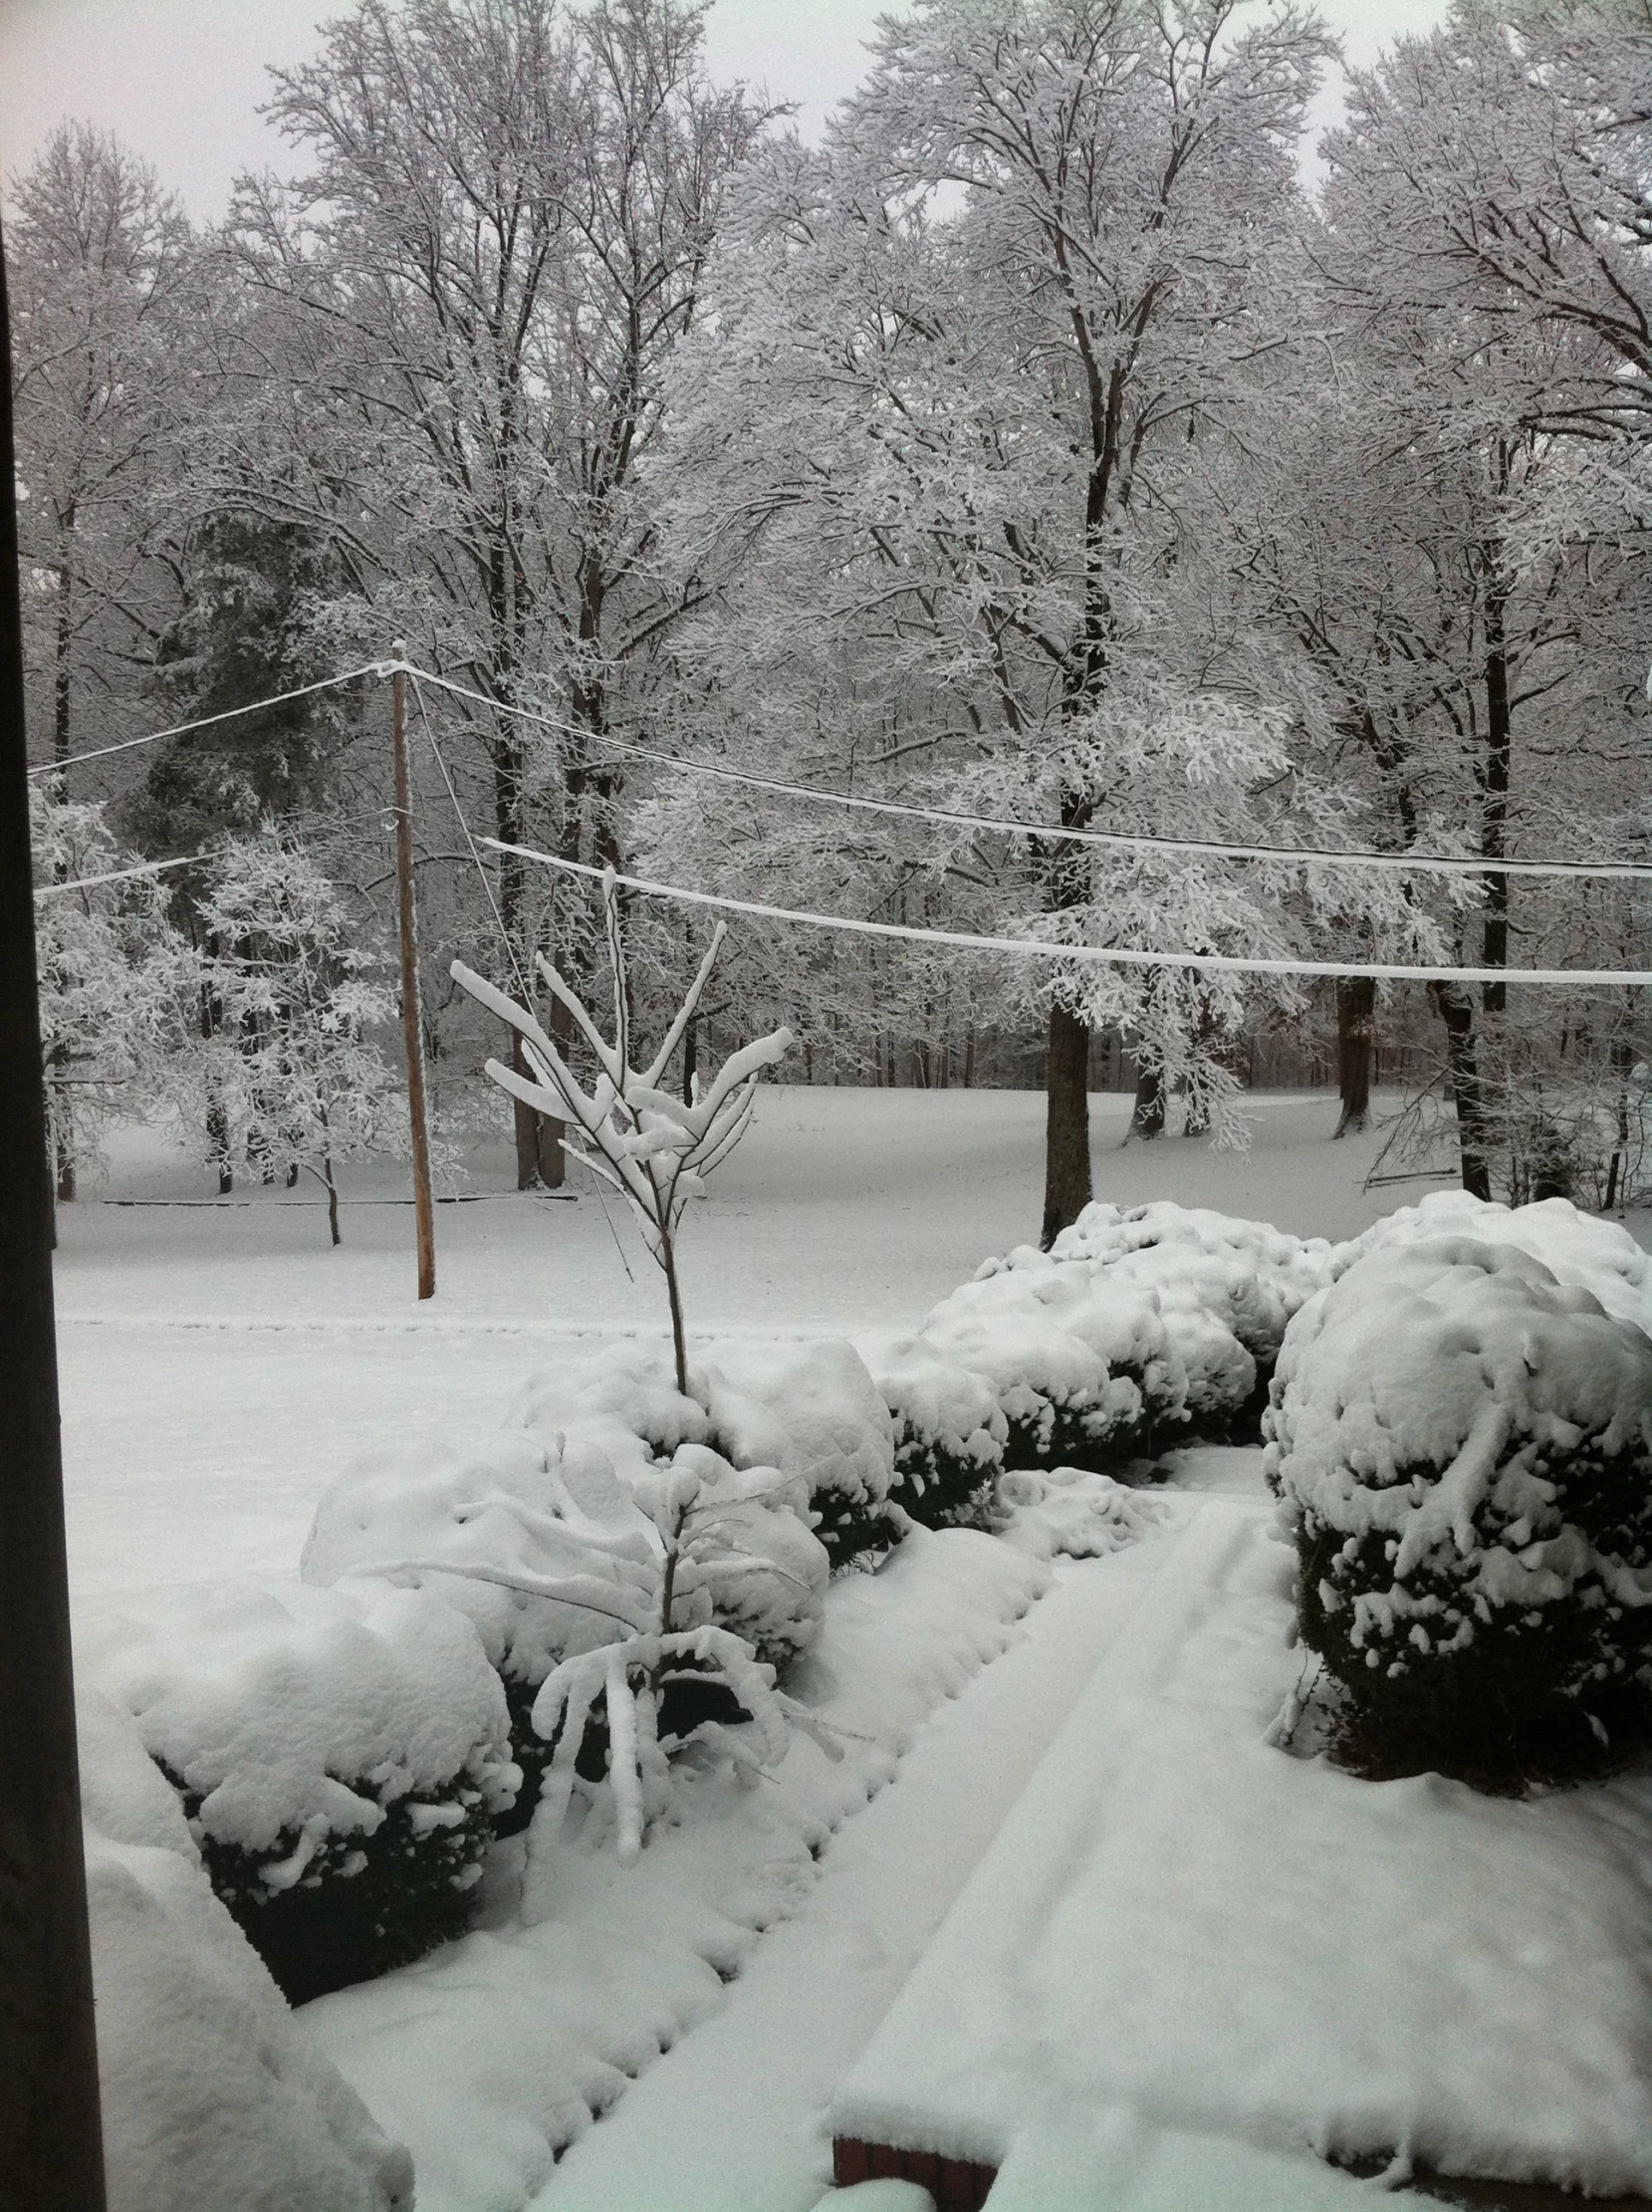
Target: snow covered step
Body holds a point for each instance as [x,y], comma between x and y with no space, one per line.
[1179,1922]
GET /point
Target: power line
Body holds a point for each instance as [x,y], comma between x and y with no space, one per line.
[230,714]
[125,874]
[1089,955]
[947,818]
[1127,840]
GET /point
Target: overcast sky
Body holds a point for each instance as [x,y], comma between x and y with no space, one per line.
[182,80]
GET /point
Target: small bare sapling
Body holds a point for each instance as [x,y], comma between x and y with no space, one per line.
[651,1146]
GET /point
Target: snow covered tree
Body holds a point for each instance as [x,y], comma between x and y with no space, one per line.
[499,246]
[250,629]
[291,1077]
[1499,438]
[115,981]
[968,379]
[655,1148]
[102,267]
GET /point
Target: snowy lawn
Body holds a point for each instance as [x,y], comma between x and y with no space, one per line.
[219,1367]
[1163,1960]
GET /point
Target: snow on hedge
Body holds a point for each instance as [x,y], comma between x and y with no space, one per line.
[1578,1248]
[310,1713]
[212,2093]
[1080,1370]
[759,1570]
[948,1428]
[1053,1510]
[1418,1393]
[837,1434]
[559,1501]
[1226,1288]
[1464,1446]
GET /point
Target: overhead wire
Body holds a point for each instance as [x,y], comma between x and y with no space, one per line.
[1045,948]
[941,817]
[206,721]
[1008,824]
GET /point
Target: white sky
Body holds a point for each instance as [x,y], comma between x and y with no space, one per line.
[181,81]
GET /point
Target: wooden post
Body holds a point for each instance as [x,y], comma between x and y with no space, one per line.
[412,1034]
[51,2135]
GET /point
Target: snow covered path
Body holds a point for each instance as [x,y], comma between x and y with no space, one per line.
[732,2120]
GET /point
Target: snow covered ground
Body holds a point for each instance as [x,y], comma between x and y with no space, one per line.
[220,1365]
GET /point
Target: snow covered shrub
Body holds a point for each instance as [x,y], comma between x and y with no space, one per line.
[1227,1288]
[762,1571]
[212,2093]
[1578,1248]
[831,1432]
[1067,1510]
[1464,1449]
[1084,1376]
[949,1431]
[736,1708]
[339,1755]
[545,1537]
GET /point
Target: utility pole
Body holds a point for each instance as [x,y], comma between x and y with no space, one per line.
[51,2134]
[411,1028]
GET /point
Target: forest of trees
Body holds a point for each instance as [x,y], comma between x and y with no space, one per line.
[1036,447]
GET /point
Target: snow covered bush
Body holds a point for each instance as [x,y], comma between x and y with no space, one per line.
[1084,1376]
[545,1536]
[654,1148]
[339,1754]
[212,2093]
[1227,1288]
[826,1426]
[734,1708]
[1064,1510]
[949,1431]
[1463,1444]
[1578,1248]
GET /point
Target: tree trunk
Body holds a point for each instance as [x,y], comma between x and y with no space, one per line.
[679,1339]
[690,1058]
[1067,1183]
[1355,1045]
[332,1197]
[1622,1061]
[1494,779]
[1456,1012]
[1148,1114]
[62,669]
[540,1158]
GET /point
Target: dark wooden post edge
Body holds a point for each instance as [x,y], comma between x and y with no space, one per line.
[51,2139]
